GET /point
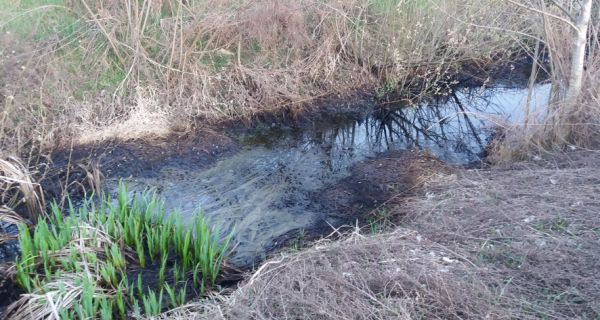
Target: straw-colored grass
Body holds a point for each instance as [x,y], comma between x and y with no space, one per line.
[18,188]
[393,276]
[83,66]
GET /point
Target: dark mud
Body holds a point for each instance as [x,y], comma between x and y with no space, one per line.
[361,198]
[375,182]
[8,289]
[73,167]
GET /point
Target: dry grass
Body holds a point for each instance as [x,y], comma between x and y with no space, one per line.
[18,188]
[144,118]
[63,291]
[55,297]
[8,216]
[80,65]
[533,227]
[399,275]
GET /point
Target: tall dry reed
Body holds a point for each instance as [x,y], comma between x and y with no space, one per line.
[80,66]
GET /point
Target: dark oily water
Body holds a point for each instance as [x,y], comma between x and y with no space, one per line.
[264,191]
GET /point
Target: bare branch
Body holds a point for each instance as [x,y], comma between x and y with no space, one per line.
[563,9]
[570,23]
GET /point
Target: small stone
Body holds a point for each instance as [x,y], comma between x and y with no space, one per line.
[448,260]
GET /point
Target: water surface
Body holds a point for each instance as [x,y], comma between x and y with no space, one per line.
[266,189]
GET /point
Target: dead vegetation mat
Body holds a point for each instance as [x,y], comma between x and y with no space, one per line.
[533,228]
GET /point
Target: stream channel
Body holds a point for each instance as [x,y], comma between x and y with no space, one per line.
[266,191]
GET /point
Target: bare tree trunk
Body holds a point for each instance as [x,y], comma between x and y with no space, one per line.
[594,26]
[556,73]
[596,41]
[532,79]
[567,114]
[578,53]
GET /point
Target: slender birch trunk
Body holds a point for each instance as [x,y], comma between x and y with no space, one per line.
[532,79]
[578,53]
[567,114]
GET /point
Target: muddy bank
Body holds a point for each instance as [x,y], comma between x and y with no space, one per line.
[376,182]
[75,166]
[295,172]
[288,182]
[362,198]
[515,242]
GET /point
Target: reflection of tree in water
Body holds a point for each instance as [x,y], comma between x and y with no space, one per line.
[449,123]
[445,122]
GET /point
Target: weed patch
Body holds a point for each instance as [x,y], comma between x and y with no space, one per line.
[557,224]
[96,262]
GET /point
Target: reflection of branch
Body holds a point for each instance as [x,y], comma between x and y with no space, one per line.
[440,121]
[404,120]
[417,129]
[388,117]
[391,128]
[467,119]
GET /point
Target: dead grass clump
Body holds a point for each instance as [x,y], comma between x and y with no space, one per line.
[144,118]
[17,189]
[399,275]
[533,229]
[207,308]
[8,216]
[57,296]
